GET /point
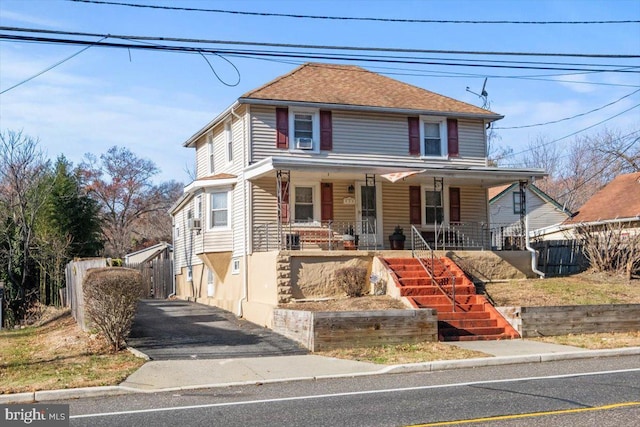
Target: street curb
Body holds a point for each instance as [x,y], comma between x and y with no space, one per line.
[440,365]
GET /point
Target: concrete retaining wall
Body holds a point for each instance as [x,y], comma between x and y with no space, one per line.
[331,330]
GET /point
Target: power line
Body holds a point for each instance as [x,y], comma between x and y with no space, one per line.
[325,47]
[352,18]
[50,67]
[286,54]
[573,133]
[572,117]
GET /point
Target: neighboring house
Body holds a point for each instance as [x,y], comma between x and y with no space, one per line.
[162,250]
[299,164]
[617,203]
[155,264]
[506,213]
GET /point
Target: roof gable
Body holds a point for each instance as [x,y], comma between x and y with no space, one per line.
[618,199]
[496,193]
[349,85]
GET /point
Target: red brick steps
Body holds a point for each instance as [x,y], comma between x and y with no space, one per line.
[474,318]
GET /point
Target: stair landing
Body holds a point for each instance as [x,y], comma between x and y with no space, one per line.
[471,318]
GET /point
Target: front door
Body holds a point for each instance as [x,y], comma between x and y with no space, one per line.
[369,216]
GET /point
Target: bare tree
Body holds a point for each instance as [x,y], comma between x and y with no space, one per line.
[541,154]
[122,183]
[24,189]
[611,247]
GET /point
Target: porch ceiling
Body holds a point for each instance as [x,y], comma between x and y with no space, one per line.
[356,170]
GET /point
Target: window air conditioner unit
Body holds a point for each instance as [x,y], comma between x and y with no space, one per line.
[304,143]
[195,224]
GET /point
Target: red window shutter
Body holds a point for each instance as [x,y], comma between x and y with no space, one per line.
[414,136]
[326,201]
[326,130]
[284,207]
[452,136]
[415,208]
[282,128]
[454,204]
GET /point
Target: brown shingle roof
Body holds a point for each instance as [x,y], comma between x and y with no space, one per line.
[618,199]
[355,86]
[494,191]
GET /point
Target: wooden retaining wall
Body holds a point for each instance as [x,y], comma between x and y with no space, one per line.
[331,330]
[579,319]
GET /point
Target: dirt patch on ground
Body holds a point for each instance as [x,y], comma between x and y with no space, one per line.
[369,302]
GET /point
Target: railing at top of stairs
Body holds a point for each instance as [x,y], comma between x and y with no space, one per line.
[421,250]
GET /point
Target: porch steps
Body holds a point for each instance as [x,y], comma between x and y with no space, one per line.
[474,318]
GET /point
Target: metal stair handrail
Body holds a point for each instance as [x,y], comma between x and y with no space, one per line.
[421,250]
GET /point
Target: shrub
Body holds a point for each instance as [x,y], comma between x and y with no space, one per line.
[111,295]
[352,280]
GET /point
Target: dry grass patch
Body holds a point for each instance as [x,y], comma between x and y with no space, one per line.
[58,354]
[596,341]
[368,302]
[404,353]
[581,289]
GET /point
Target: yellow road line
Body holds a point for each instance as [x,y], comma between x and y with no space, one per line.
[532,414]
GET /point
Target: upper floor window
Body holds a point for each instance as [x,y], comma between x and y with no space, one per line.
[433,137]
[219,217]
[210,154]
[228,137]
[198,205]
[304,128]
[517,203]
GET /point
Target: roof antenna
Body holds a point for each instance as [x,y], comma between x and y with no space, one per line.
[482,95]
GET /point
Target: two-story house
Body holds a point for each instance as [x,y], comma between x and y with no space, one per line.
[299,165]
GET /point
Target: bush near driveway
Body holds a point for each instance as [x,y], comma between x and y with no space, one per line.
[111,297]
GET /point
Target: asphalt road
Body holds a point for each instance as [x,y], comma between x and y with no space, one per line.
[566,393]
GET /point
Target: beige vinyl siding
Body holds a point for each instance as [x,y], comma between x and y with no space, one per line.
[264,202]
[367,136]
[202,157]
[343,213]
[395,209]
[473,205]
[472,145]
[185,247]
[263,133]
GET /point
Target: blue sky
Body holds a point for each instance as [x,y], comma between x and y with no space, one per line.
[152,102]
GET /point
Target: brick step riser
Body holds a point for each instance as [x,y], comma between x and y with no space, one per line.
[446,308]
[426,281]
[443,300]
[468,315]
[431,290]
[468,324]
[497,337]
[470,331]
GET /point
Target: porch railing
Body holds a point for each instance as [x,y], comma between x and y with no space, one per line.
[438,272]
[325,235]
[506,237]
[475,236]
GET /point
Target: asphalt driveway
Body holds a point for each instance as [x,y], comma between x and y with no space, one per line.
[173,330]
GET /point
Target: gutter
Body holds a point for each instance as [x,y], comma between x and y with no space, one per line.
[534,254]
[245,276]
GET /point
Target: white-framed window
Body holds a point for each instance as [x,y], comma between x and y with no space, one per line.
[210,280]
[306,203]
[433,137]
[235,266]
[517,203]
[198,206]
[177,232]
[210,155]
[189,274]
[228,138]
[219,209]
[435,202]
[304,129]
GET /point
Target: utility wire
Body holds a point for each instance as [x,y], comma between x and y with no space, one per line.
[326,47]
[284,54]
[351,18]
[571,134]
[51,67]
[572,117]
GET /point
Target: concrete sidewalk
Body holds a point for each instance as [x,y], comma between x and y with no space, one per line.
[173,375]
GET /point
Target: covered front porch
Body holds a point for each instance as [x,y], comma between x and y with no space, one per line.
[321,204]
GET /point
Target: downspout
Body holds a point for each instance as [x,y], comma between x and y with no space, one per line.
[173,273]
[534,254]
[245,277]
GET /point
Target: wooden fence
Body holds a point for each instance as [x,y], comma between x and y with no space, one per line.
[560,257]
[157,277]
[75,273]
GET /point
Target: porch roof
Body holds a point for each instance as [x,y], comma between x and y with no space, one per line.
[488,176]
